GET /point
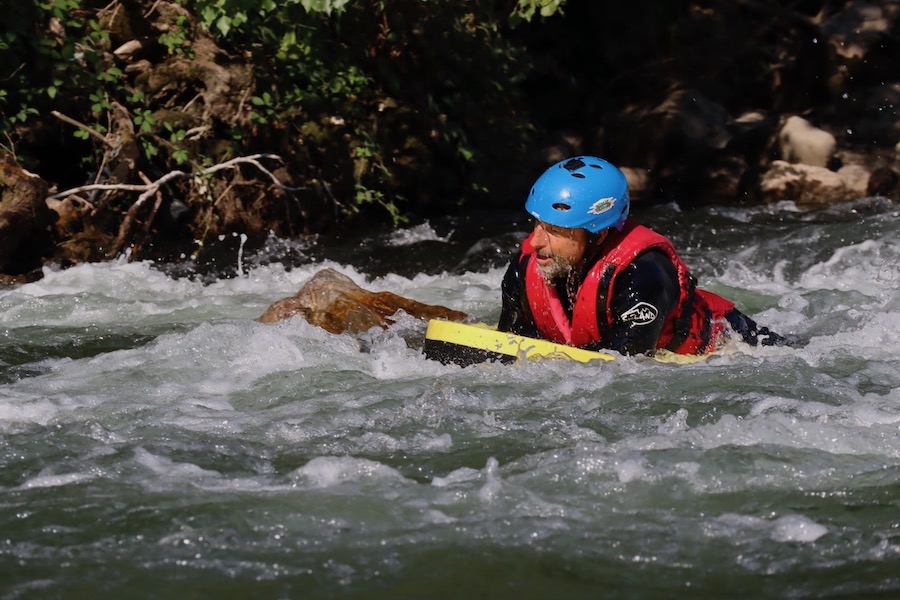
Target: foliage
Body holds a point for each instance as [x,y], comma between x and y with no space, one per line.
[527,9]
[373,74]
[403,105]
[39,60]
[59,54]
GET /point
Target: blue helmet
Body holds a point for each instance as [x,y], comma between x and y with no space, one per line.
[584,191]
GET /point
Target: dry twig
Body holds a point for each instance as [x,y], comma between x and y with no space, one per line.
[150,188]
[93,132]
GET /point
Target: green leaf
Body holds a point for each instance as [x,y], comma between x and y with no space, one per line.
[323,6]
[207,16]
[223,24]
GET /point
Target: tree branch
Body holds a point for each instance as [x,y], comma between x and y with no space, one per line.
[150,188]
[93,132]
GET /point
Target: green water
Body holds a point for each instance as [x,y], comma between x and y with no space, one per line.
[157,442]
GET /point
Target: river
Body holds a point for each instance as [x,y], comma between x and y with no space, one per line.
[157,442]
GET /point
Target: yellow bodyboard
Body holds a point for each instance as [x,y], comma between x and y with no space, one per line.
[465,344]
[488,339]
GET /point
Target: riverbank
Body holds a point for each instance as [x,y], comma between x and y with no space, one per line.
[154,130]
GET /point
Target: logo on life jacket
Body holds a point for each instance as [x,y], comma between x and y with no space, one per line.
[641,313]
[602,205]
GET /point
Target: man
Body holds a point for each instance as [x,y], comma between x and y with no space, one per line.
[588,276]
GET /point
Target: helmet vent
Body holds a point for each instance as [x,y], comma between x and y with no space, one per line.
[562,207]
[578,175]
[573,164]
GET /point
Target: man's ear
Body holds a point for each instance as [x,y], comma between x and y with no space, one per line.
[599,237]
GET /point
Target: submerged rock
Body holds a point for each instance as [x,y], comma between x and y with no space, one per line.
[333,302]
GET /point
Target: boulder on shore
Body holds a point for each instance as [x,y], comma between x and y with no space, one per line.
[25,220]
[803,143]
[812,186]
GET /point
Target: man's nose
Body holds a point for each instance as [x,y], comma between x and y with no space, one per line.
[539,238]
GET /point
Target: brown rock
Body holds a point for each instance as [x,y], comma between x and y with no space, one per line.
[811,186]
[856,178]
[638,180]
[856,36]
[884,182]
[803,143]
[10,280]
[333,302]
[71,213]
[25,219]
[129,50]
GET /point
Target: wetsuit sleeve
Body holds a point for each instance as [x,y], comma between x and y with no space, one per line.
[643,296]
[515,315]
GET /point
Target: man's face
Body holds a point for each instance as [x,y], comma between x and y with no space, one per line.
[557,249]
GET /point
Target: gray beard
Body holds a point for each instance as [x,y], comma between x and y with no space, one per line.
[557,270]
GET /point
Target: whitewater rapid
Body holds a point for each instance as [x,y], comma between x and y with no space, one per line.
[156,440]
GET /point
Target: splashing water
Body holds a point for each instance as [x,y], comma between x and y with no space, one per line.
[156,441]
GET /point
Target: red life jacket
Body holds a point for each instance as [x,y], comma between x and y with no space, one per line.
[693,327]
